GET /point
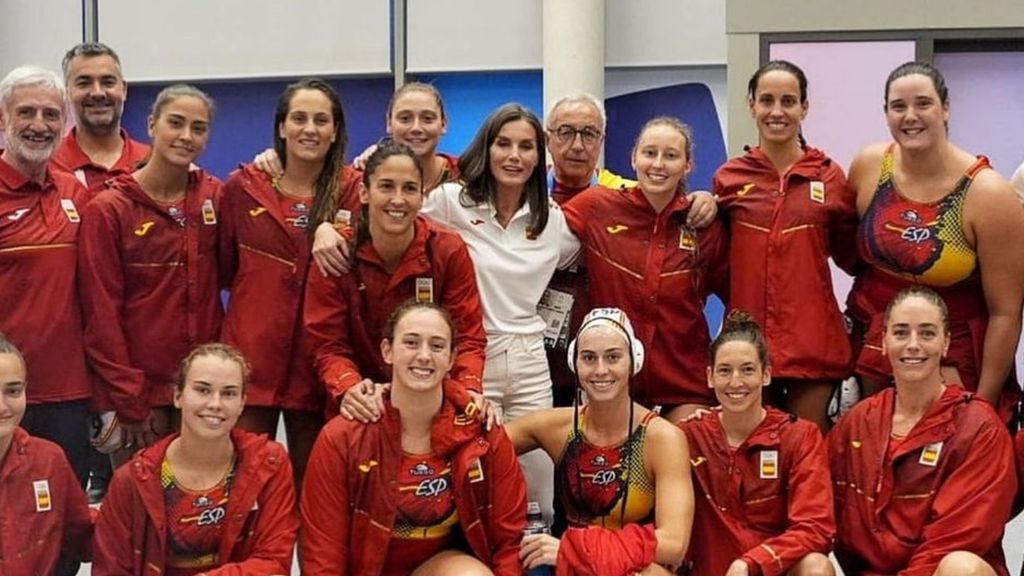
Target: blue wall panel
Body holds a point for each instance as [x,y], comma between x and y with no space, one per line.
[470,98]
[691,103]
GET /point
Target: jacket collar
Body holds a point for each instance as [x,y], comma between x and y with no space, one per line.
[937,424]
[129,186]
[810,166]
[17,453]
[254,466]
[452,428]
[12,179]
[680,204]
[76,158]
[417,249]
[768,433]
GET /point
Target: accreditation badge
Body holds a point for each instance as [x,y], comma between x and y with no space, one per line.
[687,239]
[68,205]
[476,472]
[424,290]
[930,454]
[817,191]
[41,488]
[209,214]
[343,217]
[769,464]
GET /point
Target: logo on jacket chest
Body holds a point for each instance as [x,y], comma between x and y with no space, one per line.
[424,290]
[144,228]
[817,191]
[70,210]
[769,464]
[41,488]
[930,454]
[17,214]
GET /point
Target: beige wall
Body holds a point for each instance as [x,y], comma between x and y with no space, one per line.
[746,20]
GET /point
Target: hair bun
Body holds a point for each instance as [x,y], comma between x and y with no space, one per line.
[738,319]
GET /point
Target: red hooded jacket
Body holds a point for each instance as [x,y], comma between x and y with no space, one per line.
[660,272]
[39,299]
[345,315]
[264,260]
[259,534]
[769,501]
[45,513]
[783,229]
[349,494]
[149,290]
[948,487]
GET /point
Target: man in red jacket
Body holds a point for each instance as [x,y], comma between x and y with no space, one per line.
[97,149]
[46,524]
[39,221]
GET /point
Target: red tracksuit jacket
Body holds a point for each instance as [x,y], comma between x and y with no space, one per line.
[259,534]
[45,513]
[39,302]
[660,272]
[783,229]
[345,315]
[70,158]
[348,496]
[264,260]
[769,501]
[149,290]
[948,487]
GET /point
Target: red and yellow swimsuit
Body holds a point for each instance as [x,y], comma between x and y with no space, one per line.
[917,243]
[595,482]
[426,519]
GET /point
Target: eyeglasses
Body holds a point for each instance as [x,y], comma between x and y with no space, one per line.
[566,134]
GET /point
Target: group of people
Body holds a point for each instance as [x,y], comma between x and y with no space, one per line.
[413,316]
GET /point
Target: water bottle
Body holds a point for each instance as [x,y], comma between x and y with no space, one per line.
[535,524]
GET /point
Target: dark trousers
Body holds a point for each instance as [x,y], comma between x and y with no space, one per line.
[67,425]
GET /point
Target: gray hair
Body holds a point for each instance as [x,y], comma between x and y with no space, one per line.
[89,50]
[32,76]
[580,98]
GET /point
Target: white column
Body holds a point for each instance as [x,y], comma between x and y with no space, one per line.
[573,49]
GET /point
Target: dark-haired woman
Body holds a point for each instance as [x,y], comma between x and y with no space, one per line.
[789,209]
[517,237]
[622,473]
[265,241]
[210,499]
[935,215]
[644,258]
[764,499]
[425,490]
[416,118]
[397,256]
[148,270]
[923,471]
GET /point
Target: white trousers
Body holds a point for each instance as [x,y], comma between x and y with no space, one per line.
[517,378]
